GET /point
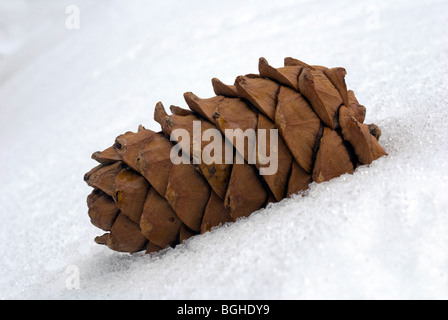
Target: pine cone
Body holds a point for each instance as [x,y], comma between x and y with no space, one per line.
[146,202]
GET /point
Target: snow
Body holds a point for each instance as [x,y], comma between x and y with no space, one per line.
[381,233]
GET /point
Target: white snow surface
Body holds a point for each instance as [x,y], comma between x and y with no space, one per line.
[381,233]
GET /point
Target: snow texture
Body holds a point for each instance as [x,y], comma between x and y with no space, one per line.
[381,233]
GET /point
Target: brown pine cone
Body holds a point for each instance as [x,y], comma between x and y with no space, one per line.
[144,201]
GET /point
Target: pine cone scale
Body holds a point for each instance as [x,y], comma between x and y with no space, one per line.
[159,222]
[298,125]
